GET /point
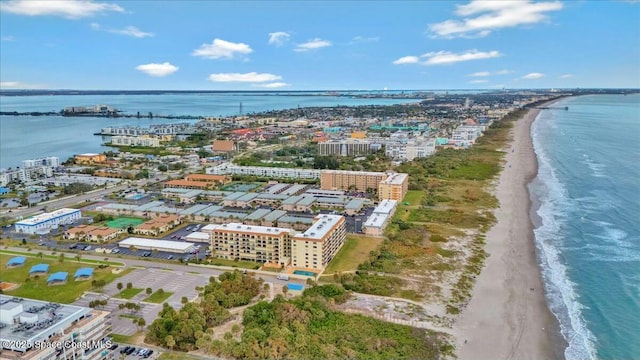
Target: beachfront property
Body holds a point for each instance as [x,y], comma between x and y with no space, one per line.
[280,246]
[315,248]
[267,172]
[250,242]
[394,187]
[26,323]
[379,219]
[142,140]
[43,223]
[50,161]
[410,149]
[89,158]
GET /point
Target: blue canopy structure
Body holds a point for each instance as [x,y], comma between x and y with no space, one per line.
[59,276]
[15,261]
[40,268]
[83,272]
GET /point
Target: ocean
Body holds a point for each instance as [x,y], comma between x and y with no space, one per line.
[588,195]
[27,137]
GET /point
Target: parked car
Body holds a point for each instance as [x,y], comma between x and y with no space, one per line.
[148,354]
[115,251]
[169,257]
[87,248]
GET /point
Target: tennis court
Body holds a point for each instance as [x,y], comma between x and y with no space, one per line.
[124,222]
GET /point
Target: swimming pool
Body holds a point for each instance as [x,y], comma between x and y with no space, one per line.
[296,287]
[304,273]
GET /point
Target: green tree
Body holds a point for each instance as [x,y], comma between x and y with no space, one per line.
[170,341]
[148,291]
[129,285]
[119,286]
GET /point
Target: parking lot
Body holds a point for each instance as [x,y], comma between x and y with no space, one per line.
[180,283]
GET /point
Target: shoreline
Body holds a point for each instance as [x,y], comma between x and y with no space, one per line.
[507,316]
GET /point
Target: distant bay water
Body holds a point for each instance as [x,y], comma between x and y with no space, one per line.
[588,238]
[28,137]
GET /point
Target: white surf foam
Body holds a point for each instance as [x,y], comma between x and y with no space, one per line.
[561,294]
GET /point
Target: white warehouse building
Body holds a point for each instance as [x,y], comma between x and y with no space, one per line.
[159,245]
[42,223]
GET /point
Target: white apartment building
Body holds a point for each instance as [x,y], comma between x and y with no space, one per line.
[466,135]
[24,174]
[347,147]
[270,172]
[378,220]
[42,223]
[413,148]
[51,161]
[135,141]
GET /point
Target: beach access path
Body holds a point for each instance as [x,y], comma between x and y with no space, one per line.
[507,316]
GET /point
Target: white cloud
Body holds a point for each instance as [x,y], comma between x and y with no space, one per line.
[481,73]
[489,73]
[316,43]
[533,76]
[128,31]
[566,76]
[158,70]
[71,9]
[222,49]
[278,38]
[447,57]
[247,77]
[479,81]
[132,31]
[493,15]
[273,85]
[8,38]
[363,39]
[406,60]
[19,85]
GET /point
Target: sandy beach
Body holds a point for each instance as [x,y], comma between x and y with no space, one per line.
[507,317]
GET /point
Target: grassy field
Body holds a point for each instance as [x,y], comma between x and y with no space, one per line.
[236,264]
[129,293]
[37,288]
[68,257]
[158,296]
[354,251]
[177,356]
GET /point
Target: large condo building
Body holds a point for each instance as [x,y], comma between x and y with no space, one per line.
[314,248]
[350,180]
[250,242]
[347,147]
[270,172]
[33,329]
[394,187]
[42,223]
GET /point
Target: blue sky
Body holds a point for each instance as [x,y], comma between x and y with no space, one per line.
[296,45]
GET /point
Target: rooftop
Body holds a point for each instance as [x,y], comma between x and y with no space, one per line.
[237,227]
[38,319]
[47,216]
[321,227]
[153,243]
[396,179]
[385,207]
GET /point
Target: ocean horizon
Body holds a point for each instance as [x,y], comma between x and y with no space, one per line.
[587,238]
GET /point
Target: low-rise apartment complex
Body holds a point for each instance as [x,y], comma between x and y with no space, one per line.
[40,224]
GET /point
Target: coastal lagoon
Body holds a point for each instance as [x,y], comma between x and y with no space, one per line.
[587,232]
[28,137]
